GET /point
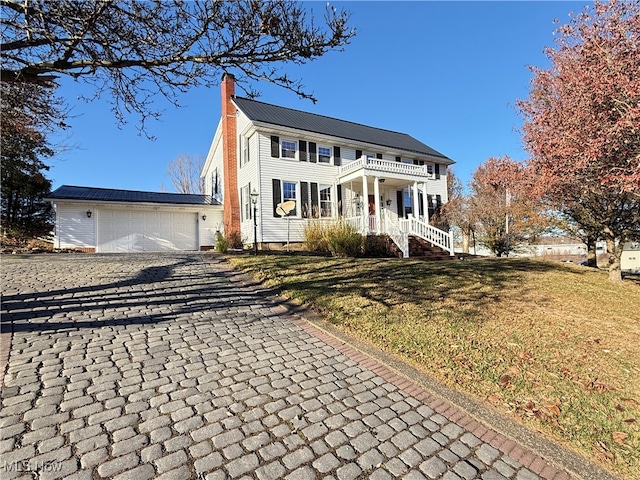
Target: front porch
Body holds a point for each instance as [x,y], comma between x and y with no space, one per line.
[393,198]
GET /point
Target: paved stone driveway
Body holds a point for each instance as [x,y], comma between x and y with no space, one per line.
[165,366]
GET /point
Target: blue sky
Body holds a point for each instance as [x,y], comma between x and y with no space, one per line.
[447,73]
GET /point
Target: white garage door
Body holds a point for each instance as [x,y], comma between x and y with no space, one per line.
[146,231]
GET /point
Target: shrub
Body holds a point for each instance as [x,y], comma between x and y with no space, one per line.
[343,240]
[377,246]
[222,244]
[235,240]
[315,237]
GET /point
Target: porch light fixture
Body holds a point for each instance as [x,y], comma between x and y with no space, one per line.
[254,199]
[388,202]
[88,213]
[204,217]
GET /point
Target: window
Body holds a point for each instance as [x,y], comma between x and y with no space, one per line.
[245,201]
[245,150]
[324,155]
[430,169]
[325,201]
[288,149]
[408,201]
[289,190]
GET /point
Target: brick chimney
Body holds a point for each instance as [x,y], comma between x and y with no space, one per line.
[231,204]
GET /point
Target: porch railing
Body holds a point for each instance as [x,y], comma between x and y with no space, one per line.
[400,238]
[431,234]
[399,231]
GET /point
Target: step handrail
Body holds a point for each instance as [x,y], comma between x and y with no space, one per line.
[431,234]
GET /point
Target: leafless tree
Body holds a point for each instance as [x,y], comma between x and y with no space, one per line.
[137,50]
[184,173]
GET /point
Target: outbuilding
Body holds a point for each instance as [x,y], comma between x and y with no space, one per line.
[120,221]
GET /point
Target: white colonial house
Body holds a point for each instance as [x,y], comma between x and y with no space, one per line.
[382,181]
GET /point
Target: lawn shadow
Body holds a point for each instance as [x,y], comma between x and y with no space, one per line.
[389,282]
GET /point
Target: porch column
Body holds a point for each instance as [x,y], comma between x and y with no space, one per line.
[376,194]
[425,203]
[365,203]
[416,201]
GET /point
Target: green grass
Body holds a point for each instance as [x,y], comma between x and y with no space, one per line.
[555,346]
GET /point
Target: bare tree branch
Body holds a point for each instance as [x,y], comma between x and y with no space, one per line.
[137,50]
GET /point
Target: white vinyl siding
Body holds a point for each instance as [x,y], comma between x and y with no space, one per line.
[274,229]
[135,228]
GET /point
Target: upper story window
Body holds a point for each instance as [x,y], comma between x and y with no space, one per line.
[288,149]
[324,154]
[245,150]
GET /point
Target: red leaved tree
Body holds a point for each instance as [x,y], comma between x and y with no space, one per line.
[503,206]
[582,122]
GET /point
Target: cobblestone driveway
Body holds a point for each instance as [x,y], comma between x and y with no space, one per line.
[165,366]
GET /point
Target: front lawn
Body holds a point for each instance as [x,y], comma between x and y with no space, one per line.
[555,346]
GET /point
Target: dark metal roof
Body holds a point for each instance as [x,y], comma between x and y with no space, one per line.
[311,122]
[69,192]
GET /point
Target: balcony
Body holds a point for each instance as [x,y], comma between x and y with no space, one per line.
[379,167]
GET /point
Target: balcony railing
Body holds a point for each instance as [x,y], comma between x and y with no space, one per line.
[385,166]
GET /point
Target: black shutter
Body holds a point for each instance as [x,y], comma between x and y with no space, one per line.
[304,199]
[277,196]
[337,161]
[312,152]
[420,204]
[438,202]
[415,162]
[315,207]
[399,198]
[379,156]
[303,150]
[398,159]
[339,197]
[358,154]
[250,202]
[275,146]
[437,170]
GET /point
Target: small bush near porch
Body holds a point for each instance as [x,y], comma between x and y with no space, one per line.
[552,345]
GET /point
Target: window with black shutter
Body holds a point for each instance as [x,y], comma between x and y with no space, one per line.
[312,152]
[315,206]
[275,146]
[302,145]
[277,196]
[304,199]
[337,161]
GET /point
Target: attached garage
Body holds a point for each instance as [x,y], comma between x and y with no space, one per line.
[120,221]
[145,230]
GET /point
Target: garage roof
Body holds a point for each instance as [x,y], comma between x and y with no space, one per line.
[69,192]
